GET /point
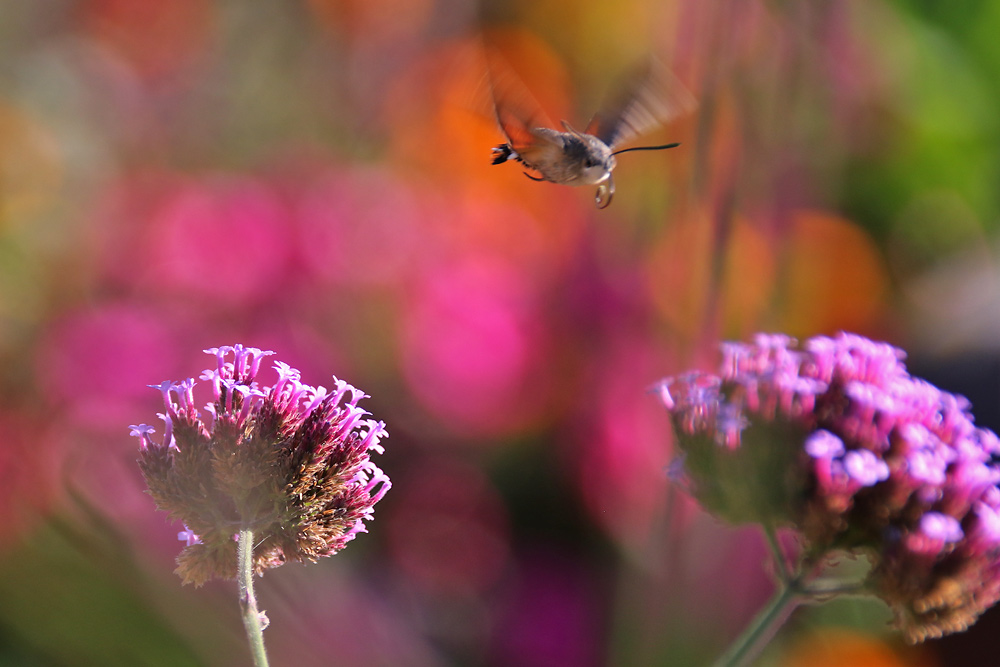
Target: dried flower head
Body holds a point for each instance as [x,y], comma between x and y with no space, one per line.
[289,462]
[836,439]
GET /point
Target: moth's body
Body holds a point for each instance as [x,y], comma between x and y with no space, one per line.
[584,158]
[567,158]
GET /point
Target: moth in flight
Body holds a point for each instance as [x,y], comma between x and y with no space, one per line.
[571,157]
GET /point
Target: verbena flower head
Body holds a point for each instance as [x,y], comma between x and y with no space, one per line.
[289,462]
[836,439]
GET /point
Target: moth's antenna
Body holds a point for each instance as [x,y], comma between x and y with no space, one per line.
[646,148]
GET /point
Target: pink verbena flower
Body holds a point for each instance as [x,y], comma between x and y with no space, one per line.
[836,439]
[288,461]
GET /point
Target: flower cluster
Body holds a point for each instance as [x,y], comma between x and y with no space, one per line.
[289,462]
[835,438]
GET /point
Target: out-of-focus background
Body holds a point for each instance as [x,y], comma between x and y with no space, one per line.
[313,177]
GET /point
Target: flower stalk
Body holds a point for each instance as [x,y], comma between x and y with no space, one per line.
[797,584]
[248,601]
[764,626]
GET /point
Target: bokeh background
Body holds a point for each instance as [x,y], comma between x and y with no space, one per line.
[312,177]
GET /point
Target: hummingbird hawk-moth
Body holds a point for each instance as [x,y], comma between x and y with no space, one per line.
[571,157]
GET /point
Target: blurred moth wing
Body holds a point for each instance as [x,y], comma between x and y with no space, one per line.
[653,97]
[521,119]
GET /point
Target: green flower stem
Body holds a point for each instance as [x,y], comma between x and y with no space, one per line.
[755,637]
[820,591]
[780,561]
[248,602]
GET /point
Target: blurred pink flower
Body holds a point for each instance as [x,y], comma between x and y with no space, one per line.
[361,226]
[112,351]
[30,470]
[448,528]
[553,615]
[319,614]
[618,448]
[155,38]
[222,237]
[474,332]
[225,237]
